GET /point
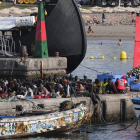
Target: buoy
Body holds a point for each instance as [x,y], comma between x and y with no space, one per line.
[128,57]
[91,57]
[103,57]
[114,58]
[45,12]
[123,55]
[26,1]
[32,1]
[20,1]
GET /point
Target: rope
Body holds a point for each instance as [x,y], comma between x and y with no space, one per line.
[136,125]
[127,126]
[88,68]
[90,106]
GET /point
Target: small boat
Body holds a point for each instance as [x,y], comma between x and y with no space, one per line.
[58,122]
[136,103]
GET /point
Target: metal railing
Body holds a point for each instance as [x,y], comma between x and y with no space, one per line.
[7,43]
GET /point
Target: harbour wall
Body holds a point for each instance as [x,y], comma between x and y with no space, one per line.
[33,67]
[9,108]
[116,107]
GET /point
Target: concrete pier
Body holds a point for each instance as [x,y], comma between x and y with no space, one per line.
[9,108]
[114,106]
[32,67]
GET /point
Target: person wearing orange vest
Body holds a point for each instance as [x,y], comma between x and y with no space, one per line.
[122,85]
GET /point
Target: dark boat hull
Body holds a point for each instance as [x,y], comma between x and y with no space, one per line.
[65,33]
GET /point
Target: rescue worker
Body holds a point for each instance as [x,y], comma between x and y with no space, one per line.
[122,85]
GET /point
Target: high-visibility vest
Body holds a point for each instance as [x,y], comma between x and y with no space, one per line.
[121,83]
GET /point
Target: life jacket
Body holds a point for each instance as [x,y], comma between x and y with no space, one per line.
[121,83]
[104,84]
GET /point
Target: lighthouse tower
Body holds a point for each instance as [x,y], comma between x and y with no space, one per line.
[41,48]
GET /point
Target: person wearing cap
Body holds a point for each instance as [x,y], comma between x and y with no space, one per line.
[101,43]
[71,77]
[122,85]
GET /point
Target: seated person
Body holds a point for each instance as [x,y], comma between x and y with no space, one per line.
[116,83]
[123,85]
[85,78]
[104,84]
[119,43]
[58,90]
[68,90]
[111,88]
[95,20]
[90,30]
[88,85]
[97,87]
[29,93]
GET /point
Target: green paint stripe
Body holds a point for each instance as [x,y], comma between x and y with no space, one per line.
[41,49]
[40,12]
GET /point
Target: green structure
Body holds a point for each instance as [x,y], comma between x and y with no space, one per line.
[41,48]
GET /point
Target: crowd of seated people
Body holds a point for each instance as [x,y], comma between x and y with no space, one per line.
[53,87]
[109,87]
[48,87]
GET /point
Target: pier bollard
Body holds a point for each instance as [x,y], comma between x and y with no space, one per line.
[123,109]
[56,54]
[18,107]
[104,109]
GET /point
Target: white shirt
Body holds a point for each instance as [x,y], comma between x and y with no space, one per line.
[29,90]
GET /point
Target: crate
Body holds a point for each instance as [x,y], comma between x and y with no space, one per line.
[113,77]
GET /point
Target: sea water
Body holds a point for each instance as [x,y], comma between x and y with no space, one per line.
[109,49]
